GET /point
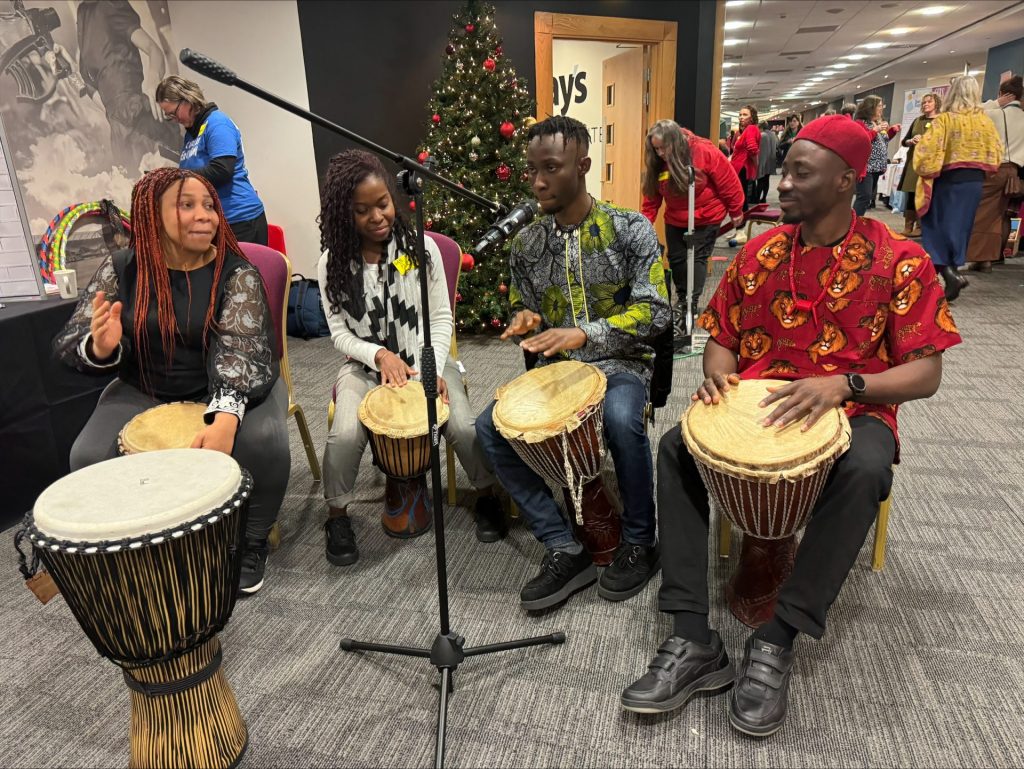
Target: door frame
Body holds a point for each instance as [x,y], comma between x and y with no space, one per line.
[659,35]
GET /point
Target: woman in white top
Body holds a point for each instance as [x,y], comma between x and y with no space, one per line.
[369,283]
[991,222]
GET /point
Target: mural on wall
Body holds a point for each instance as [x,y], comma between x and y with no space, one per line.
[76,92]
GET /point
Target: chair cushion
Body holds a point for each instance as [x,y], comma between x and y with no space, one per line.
[767,215]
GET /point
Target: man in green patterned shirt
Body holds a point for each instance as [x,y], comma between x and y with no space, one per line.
[587,278]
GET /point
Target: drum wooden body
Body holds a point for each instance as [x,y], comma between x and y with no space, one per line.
[766,481]
[553,416]
[395,419]
[168,426]
[149,565]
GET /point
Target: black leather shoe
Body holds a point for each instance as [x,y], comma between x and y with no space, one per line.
[490,519]
[341,541]
[679,670]
[758,702]
[952,282]
[631,569]
[561,574]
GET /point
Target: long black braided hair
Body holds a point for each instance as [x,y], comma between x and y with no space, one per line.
[338,236]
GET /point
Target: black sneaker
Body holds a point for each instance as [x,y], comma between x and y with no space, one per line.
[490,519]
[561,575]
[341,541]
[680,669]
[254,566]
[759,700]
[631,569]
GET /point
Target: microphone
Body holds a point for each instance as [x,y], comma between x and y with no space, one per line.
[204,65]
[507,226]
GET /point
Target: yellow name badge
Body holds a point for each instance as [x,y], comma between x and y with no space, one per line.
[202,128]
[663,176]
[403,264]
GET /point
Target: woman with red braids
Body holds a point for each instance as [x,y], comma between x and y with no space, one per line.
[181,315]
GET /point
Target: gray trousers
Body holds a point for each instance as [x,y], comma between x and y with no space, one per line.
[346,440]
[261,445]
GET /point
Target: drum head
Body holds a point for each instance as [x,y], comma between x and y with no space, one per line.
[729,435]
[135,495]
[398,412]
[170,426]
[548,401]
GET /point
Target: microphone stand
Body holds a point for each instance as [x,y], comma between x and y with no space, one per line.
[447,652]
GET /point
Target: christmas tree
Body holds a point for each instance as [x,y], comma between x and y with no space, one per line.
[476,136]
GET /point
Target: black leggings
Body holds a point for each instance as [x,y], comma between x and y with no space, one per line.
[251,230]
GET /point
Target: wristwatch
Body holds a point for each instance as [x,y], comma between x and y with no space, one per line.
[857,384]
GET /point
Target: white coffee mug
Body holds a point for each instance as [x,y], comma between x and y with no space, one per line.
[67,283]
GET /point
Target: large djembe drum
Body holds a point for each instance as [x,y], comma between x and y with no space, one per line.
[145,550]
[553,416]
[395,419]
[766,481]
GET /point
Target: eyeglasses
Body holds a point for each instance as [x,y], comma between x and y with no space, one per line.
[173,115]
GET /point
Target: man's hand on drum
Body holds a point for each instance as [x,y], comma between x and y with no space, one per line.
[105,327]
[808,398]
[555,340]
[714,387]
[220,436]
[393,370]
[523,323]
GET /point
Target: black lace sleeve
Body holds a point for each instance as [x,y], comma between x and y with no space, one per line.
[69,344]
[242,366]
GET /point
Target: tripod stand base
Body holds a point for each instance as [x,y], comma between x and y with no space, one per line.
[446,654]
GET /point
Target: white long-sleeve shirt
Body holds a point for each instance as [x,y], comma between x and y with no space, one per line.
[1012,133]
[441,321]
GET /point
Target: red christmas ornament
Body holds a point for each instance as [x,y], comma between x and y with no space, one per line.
[458,297]
[489,64]
[507,129]
[412,205]
[429,224]
[496,322]
[502,289]
[498,51]
[468,262]
[436,118]
[503,172]
[449,49]
[470,28]
[423,156]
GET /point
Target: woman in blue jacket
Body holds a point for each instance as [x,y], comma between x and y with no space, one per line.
[213,150]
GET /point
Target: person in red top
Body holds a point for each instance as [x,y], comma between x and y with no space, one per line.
[854,315]
[670,151]
[745,152]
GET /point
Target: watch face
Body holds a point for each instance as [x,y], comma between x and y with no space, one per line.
[857,383]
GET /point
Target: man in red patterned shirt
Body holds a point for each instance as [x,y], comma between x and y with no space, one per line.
[853,314]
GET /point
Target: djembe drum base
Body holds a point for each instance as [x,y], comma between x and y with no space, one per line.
[601,531]
[408,509]
[189,717]
[764,565]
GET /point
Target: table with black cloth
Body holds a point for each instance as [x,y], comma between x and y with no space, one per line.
[43,403]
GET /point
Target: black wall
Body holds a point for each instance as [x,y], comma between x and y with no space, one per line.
[370,65]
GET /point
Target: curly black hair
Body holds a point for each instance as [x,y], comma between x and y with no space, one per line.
[338,236]
[570,128]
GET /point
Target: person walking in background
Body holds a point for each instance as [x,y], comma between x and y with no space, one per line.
[869,114]
[765,162]
[669,151]
[793,126]
[930,105]
[991,224]
[213,149]
[745,151]
[951,161]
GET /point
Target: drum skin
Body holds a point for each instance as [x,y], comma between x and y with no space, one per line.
[168,426]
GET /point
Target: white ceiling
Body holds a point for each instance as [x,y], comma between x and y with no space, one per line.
[783,44]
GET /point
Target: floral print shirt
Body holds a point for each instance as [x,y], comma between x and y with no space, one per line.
[604,276]
[883,307]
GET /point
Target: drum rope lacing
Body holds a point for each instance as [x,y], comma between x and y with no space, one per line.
[182,684]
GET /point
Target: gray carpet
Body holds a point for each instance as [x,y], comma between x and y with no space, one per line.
[919,667]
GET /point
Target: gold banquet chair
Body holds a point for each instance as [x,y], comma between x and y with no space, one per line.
[451,256]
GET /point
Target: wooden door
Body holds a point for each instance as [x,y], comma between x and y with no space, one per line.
[622,112]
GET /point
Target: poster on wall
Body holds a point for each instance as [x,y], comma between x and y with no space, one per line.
[912,102]
[76,95]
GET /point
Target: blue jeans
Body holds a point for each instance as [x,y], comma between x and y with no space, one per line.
[631,452]
[946,228]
